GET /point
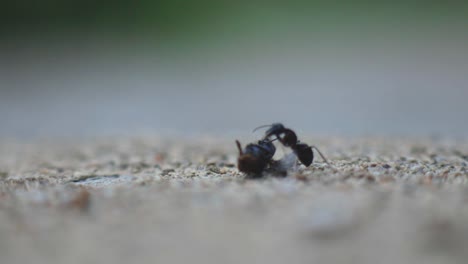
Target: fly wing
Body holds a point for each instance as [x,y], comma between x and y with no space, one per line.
[285,164]
[288,161]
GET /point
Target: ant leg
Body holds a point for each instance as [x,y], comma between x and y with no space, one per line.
[321,155]
[239,147]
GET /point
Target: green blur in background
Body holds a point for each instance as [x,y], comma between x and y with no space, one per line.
[353,67]
[178,19]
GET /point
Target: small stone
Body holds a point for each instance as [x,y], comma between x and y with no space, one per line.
[213,168]
[167,171]
[229,165]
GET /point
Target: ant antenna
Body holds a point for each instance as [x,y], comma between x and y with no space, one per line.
[257,128]
[321,155]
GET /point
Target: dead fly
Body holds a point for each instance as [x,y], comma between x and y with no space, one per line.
[257,158]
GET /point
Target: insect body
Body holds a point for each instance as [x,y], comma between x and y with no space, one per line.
[255,157]
[288,138]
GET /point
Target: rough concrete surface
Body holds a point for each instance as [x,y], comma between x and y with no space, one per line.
[161,200]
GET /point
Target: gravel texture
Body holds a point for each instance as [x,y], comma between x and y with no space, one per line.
[160,200]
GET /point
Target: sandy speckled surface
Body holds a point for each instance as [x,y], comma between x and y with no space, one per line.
[156,200]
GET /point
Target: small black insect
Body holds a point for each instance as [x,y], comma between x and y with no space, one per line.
[255,158]
[288,138]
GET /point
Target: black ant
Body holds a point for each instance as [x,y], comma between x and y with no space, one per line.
[255,158]
[288,138]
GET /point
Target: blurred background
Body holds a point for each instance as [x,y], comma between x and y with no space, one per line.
[103,68]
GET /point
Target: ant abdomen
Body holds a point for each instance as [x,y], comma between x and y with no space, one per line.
[304,153]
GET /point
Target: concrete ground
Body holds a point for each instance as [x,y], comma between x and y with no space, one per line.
[161,200]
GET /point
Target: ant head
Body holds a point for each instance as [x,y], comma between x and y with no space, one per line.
[275,128]
[304,153]
[272,127]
